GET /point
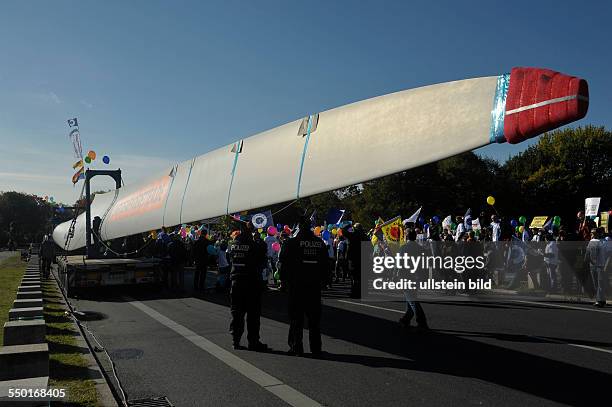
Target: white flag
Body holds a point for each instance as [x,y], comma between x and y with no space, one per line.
[415,216]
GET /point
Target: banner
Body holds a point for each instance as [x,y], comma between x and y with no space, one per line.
[538,222]
[591,206]
[262,220]
[393,230]
[603,220]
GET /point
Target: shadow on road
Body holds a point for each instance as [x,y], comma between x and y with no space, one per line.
[447,352]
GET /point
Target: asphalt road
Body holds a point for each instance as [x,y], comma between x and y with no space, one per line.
[505,353]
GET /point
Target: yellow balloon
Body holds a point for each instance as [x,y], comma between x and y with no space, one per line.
[490,200]
[374,240]
[260,230]
[334,232]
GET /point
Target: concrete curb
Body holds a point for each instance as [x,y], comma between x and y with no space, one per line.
[105,394]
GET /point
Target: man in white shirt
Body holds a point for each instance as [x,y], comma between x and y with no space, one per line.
[460,229]
[495,229]
[596,256]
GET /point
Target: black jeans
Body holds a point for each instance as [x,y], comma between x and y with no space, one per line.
[199,277]
[46,267]
[304,302]
[245,300]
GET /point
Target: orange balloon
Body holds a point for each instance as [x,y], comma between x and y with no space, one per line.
[91,154]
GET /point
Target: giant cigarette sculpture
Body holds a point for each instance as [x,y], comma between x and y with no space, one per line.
[342,146]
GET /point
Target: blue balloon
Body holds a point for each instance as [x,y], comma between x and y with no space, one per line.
[421,220]
[426,226]
[325,235]
[211,250]
[435,219]
[279,227]
[106,159]
[514,223]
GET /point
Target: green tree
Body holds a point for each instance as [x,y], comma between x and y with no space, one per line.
[562,169]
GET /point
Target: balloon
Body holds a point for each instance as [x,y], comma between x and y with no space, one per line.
[421,220]
[334,232]
[514,223]
[276,275]
[557,220]
[279,226]
[490,200]
[91,154]
[339,232]
[106,159]
[325,235]
[211,250]
[260,230]
[317,230]
[272,230]
[330,227]
[453,226]
[263,236]
[426,226]
[522,220]
[276,246]
[374,240]
[87,160]
[517,228]
[436,220]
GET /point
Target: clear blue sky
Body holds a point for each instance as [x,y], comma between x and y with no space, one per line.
[157,82]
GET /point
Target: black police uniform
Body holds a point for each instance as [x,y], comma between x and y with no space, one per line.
[304,264]
[246,290]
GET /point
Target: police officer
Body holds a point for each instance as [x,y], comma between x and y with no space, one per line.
[246,290]
[303,267]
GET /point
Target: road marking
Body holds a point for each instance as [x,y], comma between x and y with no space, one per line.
[571,344]
[372,306]
[563,306]
[532,336]
[270,383]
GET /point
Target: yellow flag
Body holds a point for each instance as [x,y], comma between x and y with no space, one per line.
[393,230]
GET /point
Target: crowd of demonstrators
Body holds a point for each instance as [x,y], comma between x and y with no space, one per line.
[556,258]
[306,259]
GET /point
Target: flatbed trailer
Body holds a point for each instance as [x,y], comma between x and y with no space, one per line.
[76,272]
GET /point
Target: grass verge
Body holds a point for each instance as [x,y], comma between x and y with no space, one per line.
[11,273]
[68,369]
